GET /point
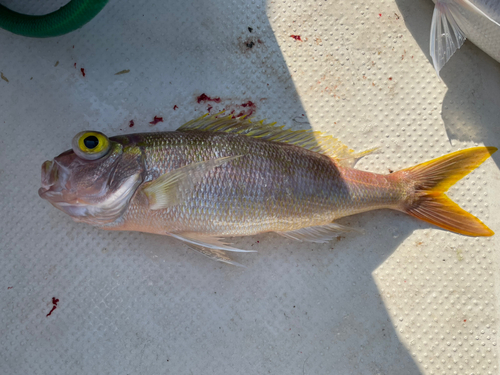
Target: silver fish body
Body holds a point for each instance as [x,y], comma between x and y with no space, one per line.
[261,191]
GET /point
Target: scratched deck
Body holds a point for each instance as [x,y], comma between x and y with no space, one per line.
[402,298]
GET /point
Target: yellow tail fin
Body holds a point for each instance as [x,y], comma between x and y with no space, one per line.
[433,178]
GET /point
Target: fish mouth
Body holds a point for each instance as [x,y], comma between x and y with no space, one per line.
[49,178]
[51,189]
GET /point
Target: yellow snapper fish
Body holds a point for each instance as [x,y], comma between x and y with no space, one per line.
[217,177]
[453,21]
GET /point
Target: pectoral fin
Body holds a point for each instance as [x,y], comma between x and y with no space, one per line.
[167,190]
[319,234]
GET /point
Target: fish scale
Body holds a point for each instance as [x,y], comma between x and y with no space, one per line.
[273,187]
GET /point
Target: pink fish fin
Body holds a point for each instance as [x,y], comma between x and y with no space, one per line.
[168,189]
[207,241]
[319,234]
[447,33]
[430,181]
[218,255]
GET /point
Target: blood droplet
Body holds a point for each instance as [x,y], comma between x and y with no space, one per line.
[83,71]
[54,305]
[204,98]
[131,124]
[175,107]
[156,120]
[296,37]
[248,104]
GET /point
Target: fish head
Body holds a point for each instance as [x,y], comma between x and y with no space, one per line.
[95,180]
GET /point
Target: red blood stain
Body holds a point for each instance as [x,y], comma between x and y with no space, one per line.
[259,41]
[390,78]
[10,287]
[83,71]
[204,98]
[235,110]
[175,107]
[248,104]
[380,14]
[156,120]
[74,65]
[131,123]
[296,37]
[54,303]
[465,320]
[250,108]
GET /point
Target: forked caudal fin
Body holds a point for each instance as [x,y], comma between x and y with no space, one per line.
[433,178]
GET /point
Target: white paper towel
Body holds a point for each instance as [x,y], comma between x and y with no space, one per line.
[402,298]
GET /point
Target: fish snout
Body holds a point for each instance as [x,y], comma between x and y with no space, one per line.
[49,178]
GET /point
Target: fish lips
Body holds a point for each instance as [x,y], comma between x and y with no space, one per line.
[49,176]
[53,181]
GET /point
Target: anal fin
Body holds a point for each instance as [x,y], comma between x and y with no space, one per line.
[319,234]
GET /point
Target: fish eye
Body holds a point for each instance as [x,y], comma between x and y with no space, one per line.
[90,145]
[91,142]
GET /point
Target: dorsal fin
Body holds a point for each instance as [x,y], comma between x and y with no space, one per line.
[310,140]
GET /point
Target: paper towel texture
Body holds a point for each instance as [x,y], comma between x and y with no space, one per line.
[402,298]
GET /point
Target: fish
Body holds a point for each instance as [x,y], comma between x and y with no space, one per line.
[219,176]
[454,21]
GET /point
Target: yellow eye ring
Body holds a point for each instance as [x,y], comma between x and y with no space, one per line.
[90,145]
